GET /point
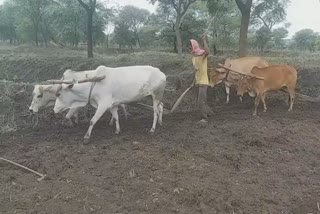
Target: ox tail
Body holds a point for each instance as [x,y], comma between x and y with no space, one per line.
[148,107]
[308,98]
[303,97]
[170,89]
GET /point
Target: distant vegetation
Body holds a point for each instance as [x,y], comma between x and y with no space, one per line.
[254,24]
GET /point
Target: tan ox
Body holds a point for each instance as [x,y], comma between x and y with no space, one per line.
[243,65]
[263,80]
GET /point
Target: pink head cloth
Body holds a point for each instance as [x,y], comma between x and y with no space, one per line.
[196,50]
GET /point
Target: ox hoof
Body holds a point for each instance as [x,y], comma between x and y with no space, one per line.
[76,121]
[117,132]
[265,110]
[71,123]
[86,141]
[289,110]
[126,116]
[254,114]
[152,130]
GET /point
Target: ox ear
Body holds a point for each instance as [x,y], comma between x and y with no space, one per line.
[254,68]
[41,89]
[227,62]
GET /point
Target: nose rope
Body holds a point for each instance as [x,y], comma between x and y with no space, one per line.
[227,75]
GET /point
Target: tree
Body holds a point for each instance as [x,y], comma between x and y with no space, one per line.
[61,22]
[7,22]
[317,43]
[180,7]
[90,9]
[129,21]
[68,18]
[34,10]
[244,7]
[278,35]
[67,25]
[161,26]
[109,14]
[263,36]
[305,39]
[269,12]
[123,36]
[225,25]
[162,23]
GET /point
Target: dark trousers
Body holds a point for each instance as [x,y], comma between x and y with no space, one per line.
[201,105]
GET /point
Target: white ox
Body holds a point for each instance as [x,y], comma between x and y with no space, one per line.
[76,75]
[120,85]
[45,95]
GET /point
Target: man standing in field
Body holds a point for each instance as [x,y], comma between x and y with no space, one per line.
[200,63]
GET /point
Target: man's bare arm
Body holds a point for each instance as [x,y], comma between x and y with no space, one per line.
[205,45]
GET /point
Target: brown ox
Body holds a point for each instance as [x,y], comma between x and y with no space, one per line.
[243,65]
[263,80]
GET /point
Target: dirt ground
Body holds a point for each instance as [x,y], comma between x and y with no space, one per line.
[237,163]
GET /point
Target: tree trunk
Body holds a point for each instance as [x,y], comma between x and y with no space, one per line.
[36,30]
[243,41]
[36,38]
[89,36]
[215,50]
[245,9]
[138,40]
[178,36]
[45,38]
[75,37]
[107,40]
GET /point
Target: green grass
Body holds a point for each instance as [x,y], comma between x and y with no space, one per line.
[29,64]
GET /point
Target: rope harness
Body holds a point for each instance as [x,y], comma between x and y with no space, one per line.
[90,92]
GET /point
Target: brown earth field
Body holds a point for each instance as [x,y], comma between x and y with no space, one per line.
[237,163]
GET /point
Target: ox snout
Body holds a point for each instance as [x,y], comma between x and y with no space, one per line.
[58,109]
[32,109]
[240,93]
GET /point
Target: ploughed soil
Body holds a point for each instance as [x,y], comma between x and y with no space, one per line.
[237,163]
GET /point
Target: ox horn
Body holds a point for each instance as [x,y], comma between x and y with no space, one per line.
[58,89]
[41,89]
[248,74]
[92,79]
[59,81]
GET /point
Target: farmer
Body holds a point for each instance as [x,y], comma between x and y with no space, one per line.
[201,81]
